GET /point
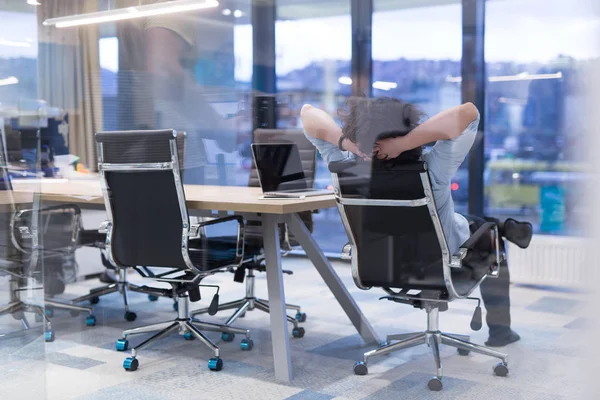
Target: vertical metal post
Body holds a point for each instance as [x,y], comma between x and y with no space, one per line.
[473,90]
[362,63]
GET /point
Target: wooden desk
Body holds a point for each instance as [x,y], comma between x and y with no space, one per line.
[242,200]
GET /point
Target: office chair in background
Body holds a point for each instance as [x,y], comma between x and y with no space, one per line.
[397,244]
[253,250]
[149,229]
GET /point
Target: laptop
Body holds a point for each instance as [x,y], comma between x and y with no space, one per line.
[280,172]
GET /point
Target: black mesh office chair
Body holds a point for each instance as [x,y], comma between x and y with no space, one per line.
[149,229]
[45,237]
[33,241]
[254,258]
[397,244]
[97,238]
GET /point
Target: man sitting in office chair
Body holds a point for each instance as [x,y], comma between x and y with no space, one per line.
[389,130]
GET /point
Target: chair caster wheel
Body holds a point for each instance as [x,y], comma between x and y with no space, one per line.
[463,352]
[227,337]
[435,384]
[246,344]
[360,368]
[130,316]
[215,364]
[122,344]
[188,336]
[90,320]
[131,364]
[301,317]
[175,306]
[298,332]
[501,369]
[94,300]
[152,297]
[49,336]
[49,312]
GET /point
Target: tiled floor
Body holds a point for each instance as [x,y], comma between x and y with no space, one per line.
[548,363]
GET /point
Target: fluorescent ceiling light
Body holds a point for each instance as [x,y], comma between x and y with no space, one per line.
[238,14]
[226,12]
[33,2]
[523,76]
[119,14]
[345,80]
[13,43]
[11,80]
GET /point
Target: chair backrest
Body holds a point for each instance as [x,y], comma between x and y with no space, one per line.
[390,217]
[145,200]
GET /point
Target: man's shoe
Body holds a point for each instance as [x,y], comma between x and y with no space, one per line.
[501,340]
[517,232]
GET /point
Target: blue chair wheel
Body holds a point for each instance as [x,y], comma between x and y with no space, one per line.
[49,312]
[301,317]
[227,337]
[298,332]
[94,300]
[246,344]
[131,364]
[360,368]
[90,320]
[122,344]
[188,336]
[130,316]
[175,306]
[152,297]
[215,364]
[49,336]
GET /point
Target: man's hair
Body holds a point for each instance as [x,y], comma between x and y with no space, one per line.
[367,120]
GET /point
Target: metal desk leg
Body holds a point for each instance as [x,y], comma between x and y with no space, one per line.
[279,330]
[333,281]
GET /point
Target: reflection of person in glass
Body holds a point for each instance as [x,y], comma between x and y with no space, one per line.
[454,131]
[157,88]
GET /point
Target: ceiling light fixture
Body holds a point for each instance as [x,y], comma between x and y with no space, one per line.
[120,14]
[33,2]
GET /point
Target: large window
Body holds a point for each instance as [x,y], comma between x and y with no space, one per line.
[18,56]
[533,133]
[313,51]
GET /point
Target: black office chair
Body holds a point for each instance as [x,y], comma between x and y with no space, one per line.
[34,244]
[45,237]
[149,229]
[397,244]
[97,238]
[254,255]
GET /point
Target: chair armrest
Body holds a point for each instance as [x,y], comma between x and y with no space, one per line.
[239,251]
[458,257]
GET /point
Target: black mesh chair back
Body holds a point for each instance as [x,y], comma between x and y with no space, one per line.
[145,200]
[390,216]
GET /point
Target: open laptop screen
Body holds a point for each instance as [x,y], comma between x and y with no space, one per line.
[279,167]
